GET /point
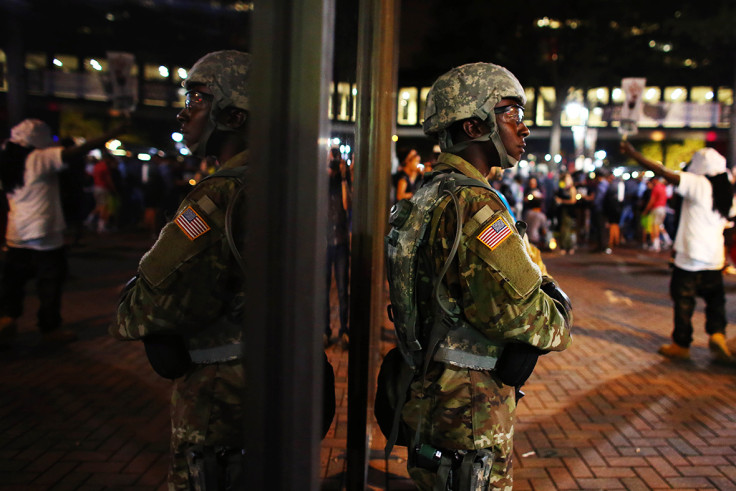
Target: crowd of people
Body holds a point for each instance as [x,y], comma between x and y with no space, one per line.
[566,211]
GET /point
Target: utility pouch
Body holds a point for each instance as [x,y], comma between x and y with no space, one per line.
[475,474]
[427,457]
[167,354]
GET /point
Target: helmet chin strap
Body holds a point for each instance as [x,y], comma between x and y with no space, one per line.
[199,149]
[505,160]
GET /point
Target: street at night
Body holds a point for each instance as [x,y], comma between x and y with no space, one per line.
[608,413]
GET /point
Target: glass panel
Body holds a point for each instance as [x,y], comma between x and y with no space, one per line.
[354,97]
[3,71]
[407,106]
[651,110]
[64,77]
[574,112]
[675,94]
[725,103]
[156,87]
[675,107]
[702,95]
[343,93]
[598,103]
[94,79]
[545,103]
[330,114]
[155,72]
[423,103]
[36,72]
[703,108]
[529,107]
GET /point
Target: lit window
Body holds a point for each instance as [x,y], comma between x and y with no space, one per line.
[675,94]
[343,94]
[545,104]
[529,107]
[63,78]
[36,72]
[3,72]
[408,106]
[597,101]
[724,98]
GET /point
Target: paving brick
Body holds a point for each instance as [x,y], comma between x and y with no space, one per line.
[606,484]
[577,467]
[627,420]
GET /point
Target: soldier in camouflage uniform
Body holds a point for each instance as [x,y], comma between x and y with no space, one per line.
[186,300]
[493,286]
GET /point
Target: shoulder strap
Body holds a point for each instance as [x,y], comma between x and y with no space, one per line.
[238,174]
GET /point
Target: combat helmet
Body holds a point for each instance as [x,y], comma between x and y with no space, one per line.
[467,91]
[226,74]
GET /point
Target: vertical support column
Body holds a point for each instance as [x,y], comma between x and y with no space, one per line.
[16,96]
[731,157]
[376,81]
[285,250]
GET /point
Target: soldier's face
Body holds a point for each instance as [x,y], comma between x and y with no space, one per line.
[512,133]
[195,115]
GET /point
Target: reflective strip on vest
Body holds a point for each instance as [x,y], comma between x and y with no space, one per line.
[464,359]
[218,354]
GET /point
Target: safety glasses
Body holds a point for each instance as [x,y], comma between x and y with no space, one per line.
[513,113]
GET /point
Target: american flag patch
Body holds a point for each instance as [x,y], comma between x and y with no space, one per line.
[495,233]
[191,223]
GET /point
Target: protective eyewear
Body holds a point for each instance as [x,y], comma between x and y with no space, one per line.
[513,113]
[195,98]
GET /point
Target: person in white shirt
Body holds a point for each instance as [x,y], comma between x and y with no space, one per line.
[699,252]
[29,168]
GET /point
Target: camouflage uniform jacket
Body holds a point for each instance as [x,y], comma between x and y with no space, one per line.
[189,283]
[494,286]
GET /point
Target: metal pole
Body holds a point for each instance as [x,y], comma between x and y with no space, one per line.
[16,70]
[376,81]
[285,250]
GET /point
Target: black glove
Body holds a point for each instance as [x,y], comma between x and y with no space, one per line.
[516,363]
[564,305]
[167,354]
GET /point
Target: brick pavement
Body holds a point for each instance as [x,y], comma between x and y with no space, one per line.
[607,414]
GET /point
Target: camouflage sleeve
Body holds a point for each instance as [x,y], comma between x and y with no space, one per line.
[184,280]
[496,280]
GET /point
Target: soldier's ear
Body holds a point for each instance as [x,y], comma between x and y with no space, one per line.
[473,128]
[234,118]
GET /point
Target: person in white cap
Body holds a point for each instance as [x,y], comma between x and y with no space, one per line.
[29,166]
[699,253]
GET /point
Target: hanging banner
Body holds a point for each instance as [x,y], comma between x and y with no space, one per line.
[122,87]
[631,111]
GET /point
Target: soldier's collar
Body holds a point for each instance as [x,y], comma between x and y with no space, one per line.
[236,160]
[459,164]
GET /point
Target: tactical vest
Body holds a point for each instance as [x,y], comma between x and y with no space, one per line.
[449,339]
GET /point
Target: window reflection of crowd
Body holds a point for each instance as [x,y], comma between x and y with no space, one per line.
[126,193]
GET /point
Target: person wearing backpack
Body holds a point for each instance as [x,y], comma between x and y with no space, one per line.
[471,309]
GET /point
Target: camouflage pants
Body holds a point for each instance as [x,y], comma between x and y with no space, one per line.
[684,287]
[501,478]
[206,410]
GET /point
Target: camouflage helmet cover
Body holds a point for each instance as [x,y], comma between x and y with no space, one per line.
[466,91]
[225,73]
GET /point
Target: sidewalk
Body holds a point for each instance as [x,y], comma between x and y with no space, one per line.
[609,413]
